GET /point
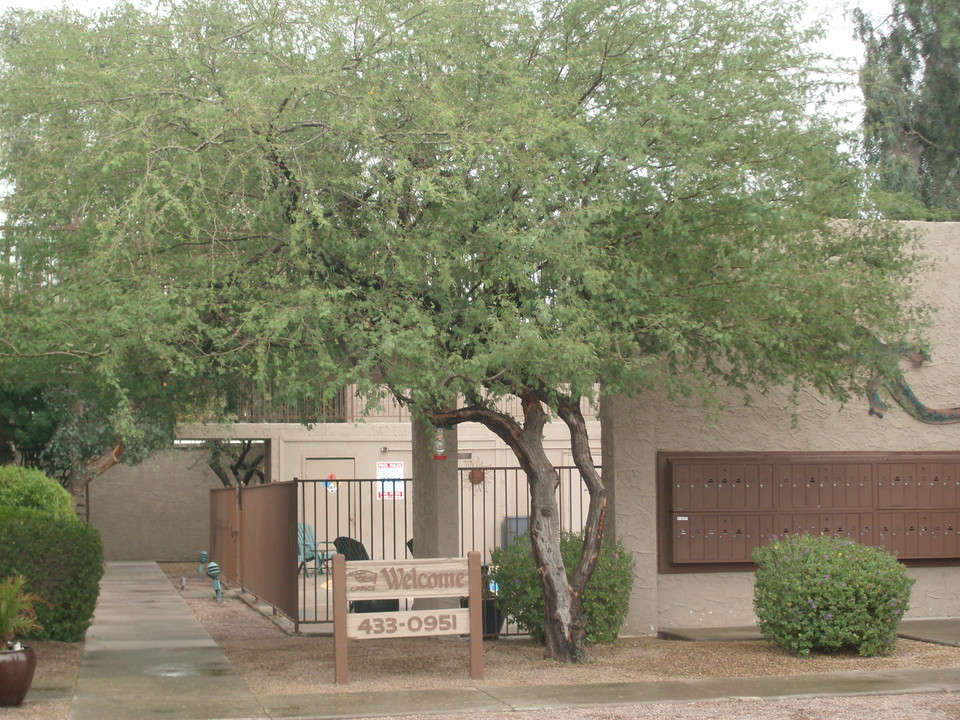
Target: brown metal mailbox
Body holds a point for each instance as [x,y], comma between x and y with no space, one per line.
[856,526]
[897,485]
[846,485]
[937,485]
[738,486]
[917,485]
[920,535]
[718,537]
[833,485]
[723,506]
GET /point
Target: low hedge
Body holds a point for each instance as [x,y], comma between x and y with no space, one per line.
[62,562]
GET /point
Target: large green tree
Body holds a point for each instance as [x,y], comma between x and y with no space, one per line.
[74,438]
[911,88]
[447,201]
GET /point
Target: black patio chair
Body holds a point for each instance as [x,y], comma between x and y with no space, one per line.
[354,550]
[351,549]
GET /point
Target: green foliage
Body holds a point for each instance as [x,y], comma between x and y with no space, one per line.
[605,599]
[88,427]
[61,427]
[17,610]
[911,88]
[449,202]
[26,423]
[33,490]
[828,594]
[313,194]
[62,562]
[518,585]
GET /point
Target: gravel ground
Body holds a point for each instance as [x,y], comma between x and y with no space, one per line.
[272,662]
[58,665]
[944,706]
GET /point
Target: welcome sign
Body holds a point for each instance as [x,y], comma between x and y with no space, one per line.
[413,578]
[404,579]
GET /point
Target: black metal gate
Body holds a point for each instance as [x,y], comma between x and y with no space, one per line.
[494,507]
[376,514]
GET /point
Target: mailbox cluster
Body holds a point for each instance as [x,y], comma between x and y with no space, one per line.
[721,512]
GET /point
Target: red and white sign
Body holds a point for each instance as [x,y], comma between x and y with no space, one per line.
[390,476]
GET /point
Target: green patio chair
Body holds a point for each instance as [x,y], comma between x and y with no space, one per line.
[309,550]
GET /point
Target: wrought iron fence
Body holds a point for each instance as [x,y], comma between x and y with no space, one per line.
[255,542]
[494,507]
[376,514]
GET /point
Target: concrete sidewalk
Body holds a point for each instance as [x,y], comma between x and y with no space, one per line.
[146,655]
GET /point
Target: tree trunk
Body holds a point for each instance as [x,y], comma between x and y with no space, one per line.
[81,477]
[569,409]
[563,600]
[562,607]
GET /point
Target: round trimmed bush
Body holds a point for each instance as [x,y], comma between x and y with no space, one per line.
[826,593]
[62,562]
[33,490]
[605,599]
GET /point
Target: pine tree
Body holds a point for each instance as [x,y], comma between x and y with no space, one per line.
[911,88]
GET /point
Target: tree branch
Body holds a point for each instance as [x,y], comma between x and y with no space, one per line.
[14,352]
[569,411]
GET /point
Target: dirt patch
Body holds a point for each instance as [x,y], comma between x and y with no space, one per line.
[58,664]
[272,662]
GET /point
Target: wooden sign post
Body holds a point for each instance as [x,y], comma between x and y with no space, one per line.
[381,579]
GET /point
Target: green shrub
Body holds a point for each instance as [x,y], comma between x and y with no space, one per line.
[605,599]
[62,562]
[31,489]
[827,593]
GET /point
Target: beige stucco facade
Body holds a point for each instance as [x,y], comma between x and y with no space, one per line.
[636,430]
[159,510]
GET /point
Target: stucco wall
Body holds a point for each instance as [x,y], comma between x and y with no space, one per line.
[158,510]
[369,442]
[635,430]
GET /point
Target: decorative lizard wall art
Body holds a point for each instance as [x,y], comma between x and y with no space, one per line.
[892,383]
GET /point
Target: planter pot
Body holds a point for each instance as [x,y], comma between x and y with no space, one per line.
[16,674]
